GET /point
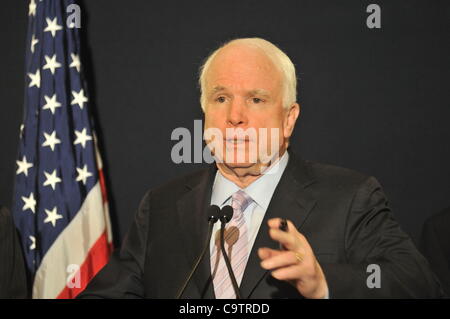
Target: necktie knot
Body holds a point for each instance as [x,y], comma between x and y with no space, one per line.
[240,201]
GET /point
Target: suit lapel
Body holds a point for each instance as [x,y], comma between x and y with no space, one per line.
[291,200]
[192,212]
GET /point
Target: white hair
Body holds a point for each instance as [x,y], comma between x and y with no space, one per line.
[278,58]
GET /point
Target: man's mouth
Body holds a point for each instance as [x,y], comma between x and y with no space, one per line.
[237,140]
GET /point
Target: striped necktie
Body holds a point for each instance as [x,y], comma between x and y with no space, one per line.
[236,245]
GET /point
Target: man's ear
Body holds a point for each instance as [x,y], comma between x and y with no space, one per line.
[291,118]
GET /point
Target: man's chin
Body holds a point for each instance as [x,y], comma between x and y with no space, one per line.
[242,169]
[234,165]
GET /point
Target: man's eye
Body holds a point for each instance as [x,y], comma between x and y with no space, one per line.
[257,100]
[221,99]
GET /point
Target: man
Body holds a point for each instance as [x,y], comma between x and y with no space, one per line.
[12,269]
[338,220]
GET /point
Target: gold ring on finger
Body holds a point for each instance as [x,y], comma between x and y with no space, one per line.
[299,257]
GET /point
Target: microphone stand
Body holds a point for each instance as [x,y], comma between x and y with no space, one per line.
[212,219]
[225,218]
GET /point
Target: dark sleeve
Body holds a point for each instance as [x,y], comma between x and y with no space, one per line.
[13,282]
[435,245]
[122,276]
[373,237]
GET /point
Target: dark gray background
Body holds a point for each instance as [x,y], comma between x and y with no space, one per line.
[373,100]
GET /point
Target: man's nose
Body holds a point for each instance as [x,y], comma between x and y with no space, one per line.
[237,113]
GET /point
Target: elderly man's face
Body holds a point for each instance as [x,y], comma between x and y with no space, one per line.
[244,91]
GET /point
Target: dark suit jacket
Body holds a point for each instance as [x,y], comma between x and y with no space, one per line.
[12,270]
[343,214]
[435,246]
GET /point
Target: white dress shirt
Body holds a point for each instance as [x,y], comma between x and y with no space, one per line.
[261,191]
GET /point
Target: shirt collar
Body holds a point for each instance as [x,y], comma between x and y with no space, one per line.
[261,190]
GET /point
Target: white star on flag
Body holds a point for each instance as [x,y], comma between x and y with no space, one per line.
[51,63]
[34,41]
[82,138]
[52,179]
[83,174]
[75,62]
[35,79]
[51,103]
[51,140]
[52,26]
[30,203]
[33,242]
[23,166]
[32,8]
[79,98]
[52,216]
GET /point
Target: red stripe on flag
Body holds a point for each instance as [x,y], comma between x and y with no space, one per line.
[96,259]
[101,178]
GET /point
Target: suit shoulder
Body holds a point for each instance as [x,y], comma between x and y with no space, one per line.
[337,176]
[177,186]
[346,185]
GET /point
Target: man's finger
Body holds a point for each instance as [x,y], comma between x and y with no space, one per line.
[293,272]
[284,238]
[299,240]
[284,259]
[265,253]
[274,222]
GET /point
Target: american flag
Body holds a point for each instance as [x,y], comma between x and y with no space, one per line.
[60,204]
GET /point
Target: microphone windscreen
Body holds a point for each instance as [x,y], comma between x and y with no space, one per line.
[226,214]
[213,213]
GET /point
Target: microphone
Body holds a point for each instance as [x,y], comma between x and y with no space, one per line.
[225,216]
[213,217]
